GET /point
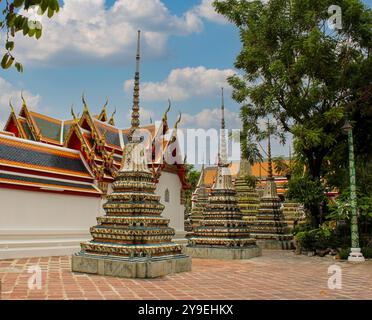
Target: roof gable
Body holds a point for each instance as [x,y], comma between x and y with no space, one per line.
[49,128]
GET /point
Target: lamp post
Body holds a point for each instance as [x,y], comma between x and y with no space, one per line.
[355,253]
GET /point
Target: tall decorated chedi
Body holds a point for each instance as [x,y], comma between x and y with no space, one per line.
[222,233]
[132,240]
[269,229]
[247,197]
[201,200]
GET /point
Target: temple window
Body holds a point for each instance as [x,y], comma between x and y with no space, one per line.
[166,195]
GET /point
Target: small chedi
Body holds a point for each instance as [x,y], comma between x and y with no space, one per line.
[132,240]
[200,202]
[247,197]
[294,213]
[270,229]
[222,232]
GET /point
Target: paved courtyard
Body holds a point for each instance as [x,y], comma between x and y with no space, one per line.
[275,275]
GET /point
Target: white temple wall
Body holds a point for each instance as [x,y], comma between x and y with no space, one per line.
[174,210]
[34,224]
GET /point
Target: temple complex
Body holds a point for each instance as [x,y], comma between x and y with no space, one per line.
[247,197]
[99,143]
[132,240]
[269,228]
[259,170]
[222,232]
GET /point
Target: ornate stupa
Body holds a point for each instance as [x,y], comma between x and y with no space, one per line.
[200,202]
[222,234]
[132,240]
[247,197]
[270,229]
[294,213]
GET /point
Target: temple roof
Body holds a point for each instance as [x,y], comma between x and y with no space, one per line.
[30,155]
[100,142]
[43,167]
[47,184]
[211,172]
[49,128]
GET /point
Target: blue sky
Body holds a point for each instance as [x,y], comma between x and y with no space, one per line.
[187,52]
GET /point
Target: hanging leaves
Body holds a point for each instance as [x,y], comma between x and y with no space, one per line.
[15,22]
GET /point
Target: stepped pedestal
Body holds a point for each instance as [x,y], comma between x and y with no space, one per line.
[248,200]
[132,240]
[270,229]
[222,233]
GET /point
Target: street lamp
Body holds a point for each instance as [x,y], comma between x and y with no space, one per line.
[355,253]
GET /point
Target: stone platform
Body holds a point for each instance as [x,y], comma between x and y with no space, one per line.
[223,253]
[275,244]
[130,267]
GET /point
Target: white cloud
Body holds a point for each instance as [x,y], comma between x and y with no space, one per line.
[9,91]
[145,116]
[206,10]
[182,84]
[85,30]
[211,118]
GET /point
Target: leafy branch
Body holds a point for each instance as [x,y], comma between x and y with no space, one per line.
[13,21]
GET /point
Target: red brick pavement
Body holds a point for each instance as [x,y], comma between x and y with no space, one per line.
[275,275]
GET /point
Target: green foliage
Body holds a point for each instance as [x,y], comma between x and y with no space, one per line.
[249,149]
[282,167]
[367,252]
[251,181]
[340,210]
[192,177]
[306,77]
[301,228]
[306,191]
[318,239]
[344,253]
[13,21]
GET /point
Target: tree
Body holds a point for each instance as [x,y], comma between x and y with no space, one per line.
[12,21]
[192,177]
[303,74]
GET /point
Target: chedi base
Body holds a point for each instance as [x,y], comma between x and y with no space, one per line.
[223,252]
[130,267]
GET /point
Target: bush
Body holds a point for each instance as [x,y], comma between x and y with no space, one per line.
[318,239]
[300,228]
[367,252]
[344,253]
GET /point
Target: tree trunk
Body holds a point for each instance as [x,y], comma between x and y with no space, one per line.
[315,160]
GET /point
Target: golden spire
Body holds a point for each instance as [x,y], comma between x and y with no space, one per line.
[178,121]
[74,117]
[112,119]
[103,115]
[222,110]
[23,100]
[11,106]
[165,118]
[270,169]
[105,105]
[84,102]
[135,109]
[222,152]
